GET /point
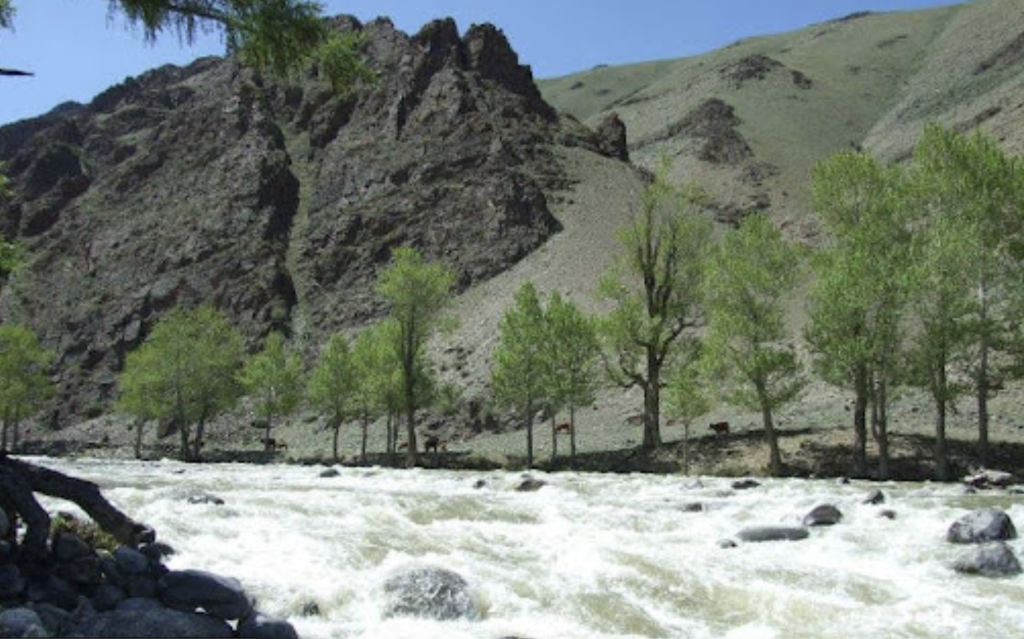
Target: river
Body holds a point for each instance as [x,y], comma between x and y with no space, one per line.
[586,557]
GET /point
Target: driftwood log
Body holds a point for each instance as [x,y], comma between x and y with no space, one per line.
[20,480]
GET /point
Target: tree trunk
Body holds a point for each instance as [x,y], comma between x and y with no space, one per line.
[16,436]
[774,458]
[652,406]
[366,431]
[882,428]
[139,422]
[860,431]
[529,434]
[84,493]
[411,453]
[3,442]
[686,448]
[197,444]
[334,440]
[554,438]
[983,383]
[267,448]
[572,436]
[19,501]
[941,457]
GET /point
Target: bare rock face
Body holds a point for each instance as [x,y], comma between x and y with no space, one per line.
[277,203]
[612,135]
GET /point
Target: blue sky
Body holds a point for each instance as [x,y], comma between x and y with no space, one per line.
[76,51]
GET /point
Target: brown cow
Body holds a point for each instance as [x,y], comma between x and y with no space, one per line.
[564,427]
[432,443]
[721,428]
[272,445]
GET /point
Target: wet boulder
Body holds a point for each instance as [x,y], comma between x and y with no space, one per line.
[260,626]
[329,473]
[756,534]
[201,498]
[980,526]
[989,560]
[530,485]
[151,622]
[20,622]
[430,592]
[875,497]
[131,561]
[823,515]
[987,478]
[5,525]
[745,484]
[219,596]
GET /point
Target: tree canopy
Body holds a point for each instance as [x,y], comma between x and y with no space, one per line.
[416,291]
[274,380]
[185,372]
[656,290]
[278,37]
[24,380]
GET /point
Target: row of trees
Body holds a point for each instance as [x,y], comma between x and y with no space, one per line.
[920,283]
[192,367]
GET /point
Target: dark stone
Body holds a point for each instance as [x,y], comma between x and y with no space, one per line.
[139,604]
[745,484]
[84,571]
[887,513]
[823,515]
[151,623]
[310,609]
[693,507]
[5,525]
[727,543]
[530,485]
[990,479]
[204,498]
[611,134]
[156,551]
[131,561]
[67,547]
[54,619]
[757,534]
[479,484]
[989,560]
[17,622]
[107,597]
[219,596]
[330,472]
[53,590]
[6,552]
[979,526]
[141,586]
[259,626]
[429,592]
[875,497]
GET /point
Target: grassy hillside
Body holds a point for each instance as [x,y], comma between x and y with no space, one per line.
[867,80]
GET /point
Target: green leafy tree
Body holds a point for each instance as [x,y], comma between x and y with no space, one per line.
[748,274]
[518,374]
[24,383]
[186,372]
[416,291]
[333,385]
[655,287]
[572,352]
[686,394]
[274,380]
[138,391]
[281,37]
[972,179]
[859,292]
[378,390]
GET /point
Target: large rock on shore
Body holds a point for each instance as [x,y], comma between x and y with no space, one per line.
[980,526]
[426,591]
[150,622]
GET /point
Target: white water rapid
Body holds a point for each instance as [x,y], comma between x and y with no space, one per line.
[586,557]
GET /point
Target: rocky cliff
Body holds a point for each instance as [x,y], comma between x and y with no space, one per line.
[278,202]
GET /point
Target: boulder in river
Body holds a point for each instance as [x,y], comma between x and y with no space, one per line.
[986,478]
[989,560]
[756,534]
[426,591]
[745,484]
[260,626]
[530,485]
[980,526]
[875,497]
[823,515]
[219,596]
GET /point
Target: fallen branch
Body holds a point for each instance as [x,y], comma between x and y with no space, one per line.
[18,475]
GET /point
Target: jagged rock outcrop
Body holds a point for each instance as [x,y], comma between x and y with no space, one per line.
[278,203]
